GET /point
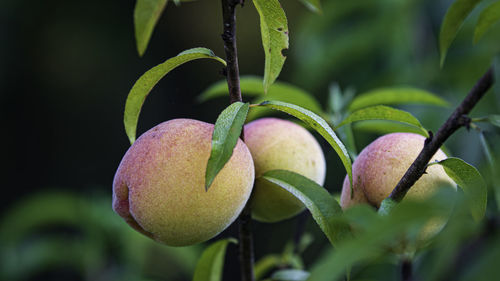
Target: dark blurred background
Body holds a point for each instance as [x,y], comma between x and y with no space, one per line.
[66,68]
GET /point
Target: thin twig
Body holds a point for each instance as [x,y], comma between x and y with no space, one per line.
[246,255]
[246,245]
[229,38]
[300,228]
[457,119]
[406,270]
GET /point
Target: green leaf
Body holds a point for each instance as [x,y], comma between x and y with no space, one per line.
[289,94]
[338,99]
[313,5]
[318,124]
[453,20]
[379,233]
[386,127]
[274,31]
[252,86]
[305,241]
[493,119]
[227,131]
[486,149]
[146,15]
[148,80]
[211,263]
[290,275]
[323,207]
[488,17]
[471,181]
[493,166]
[382,112]
[388,96]
[265,265]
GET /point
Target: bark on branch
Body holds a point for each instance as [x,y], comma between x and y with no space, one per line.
[229,38]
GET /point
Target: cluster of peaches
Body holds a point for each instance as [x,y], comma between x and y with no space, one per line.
[159,187]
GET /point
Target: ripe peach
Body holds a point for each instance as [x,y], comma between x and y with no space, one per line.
[381,165]
[280,144]
[378,169]
[159,187]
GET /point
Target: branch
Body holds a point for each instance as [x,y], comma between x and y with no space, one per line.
[406,270]
[457,119]
[246,255]
[246,245]
[229,38]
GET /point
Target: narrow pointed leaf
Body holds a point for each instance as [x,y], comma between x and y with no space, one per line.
[249,85]
[274,31]
[487,149]
[286,93]
[389,96]
[313,5]
[319,125]
[227,131]
[290,275]
[493,166]
[453,20]
[252,86]
[471,181]
[494,119]
[382,112]
[148,80]
[488,17]
[323,207]
[379,232]
[211,264]
[386,127]
[146,15]
[266,264]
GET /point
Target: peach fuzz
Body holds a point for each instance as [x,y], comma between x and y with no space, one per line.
[381,164]
[280,144]
[159,187]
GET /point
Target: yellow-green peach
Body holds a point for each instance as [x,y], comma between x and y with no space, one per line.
[280,144]
[159,187]
[380,166]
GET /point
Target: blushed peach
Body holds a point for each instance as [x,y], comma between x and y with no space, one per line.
[159,187]
[381,164]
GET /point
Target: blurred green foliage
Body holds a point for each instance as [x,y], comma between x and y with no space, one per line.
[83,238]
[350,48]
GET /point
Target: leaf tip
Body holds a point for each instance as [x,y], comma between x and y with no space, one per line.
[131,137]
[140,50]
[442,59]
[476,38]
[208,181]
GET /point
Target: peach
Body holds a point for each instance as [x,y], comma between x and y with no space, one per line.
[380,166]
[159,187]
[280,144]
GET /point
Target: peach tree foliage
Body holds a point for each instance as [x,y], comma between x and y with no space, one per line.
[334,123]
